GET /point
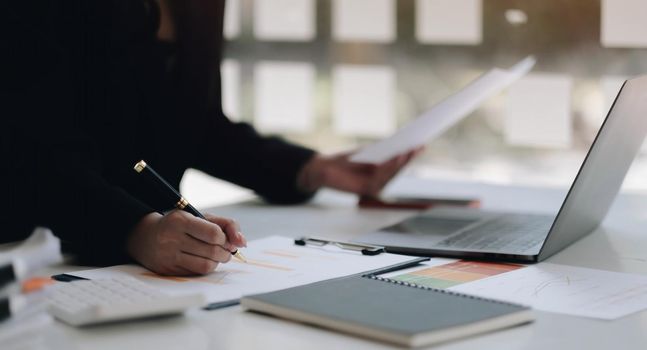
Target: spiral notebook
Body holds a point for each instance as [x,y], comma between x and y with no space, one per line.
[388,310]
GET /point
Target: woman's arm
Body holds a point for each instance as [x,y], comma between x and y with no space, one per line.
[54,163]
[277,170]
[53,167]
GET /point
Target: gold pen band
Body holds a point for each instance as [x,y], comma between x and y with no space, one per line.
[182,203]
[141,165]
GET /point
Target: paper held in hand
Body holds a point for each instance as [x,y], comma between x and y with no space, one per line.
[444,115]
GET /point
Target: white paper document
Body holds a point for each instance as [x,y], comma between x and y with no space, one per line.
[547,287]
[38,251]
[273,263]
[566,289]
[444,115]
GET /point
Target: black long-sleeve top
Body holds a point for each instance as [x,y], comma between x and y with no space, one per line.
[88,90]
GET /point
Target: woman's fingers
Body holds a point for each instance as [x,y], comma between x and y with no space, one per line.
[196,264]
[387,171]
[231,229]
[199,248]
[200,229]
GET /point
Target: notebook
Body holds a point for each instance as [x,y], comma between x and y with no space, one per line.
[388,310]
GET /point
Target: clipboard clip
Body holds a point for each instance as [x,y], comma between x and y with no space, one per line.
[365,249]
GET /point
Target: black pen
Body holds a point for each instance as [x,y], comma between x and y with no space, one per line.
[181,203]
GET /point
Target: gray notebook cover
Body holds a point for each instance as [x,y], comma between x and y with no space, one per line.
[391,311]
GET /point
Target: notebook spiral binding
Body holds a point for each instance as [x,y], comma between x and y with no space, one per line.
[444,291]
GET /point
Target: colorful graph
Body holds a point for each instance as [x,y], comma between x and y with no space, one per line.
[455,273]
[264,264]
[217,277]
[281,253]
[167,278]
[298,254]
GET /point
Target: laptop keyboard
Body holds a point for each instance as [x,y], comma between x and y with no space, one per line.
[517,233]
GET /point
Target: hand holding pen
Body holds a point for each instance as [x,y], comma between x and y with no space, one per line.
[182,242]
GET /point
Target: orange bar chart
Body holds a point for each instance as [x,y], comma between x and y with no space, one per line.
[455,273]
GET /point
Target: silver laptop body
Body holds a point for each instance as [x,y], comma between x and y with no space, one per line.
[526,238]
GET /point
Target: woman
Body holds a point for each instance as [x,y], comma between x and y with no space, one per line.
[92,87]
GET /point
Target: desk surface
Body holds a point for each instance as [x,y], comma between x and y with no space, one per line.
[620,245]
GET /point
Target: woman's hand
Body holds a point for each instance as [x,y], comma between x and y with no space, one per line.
[340,173]
[182,244]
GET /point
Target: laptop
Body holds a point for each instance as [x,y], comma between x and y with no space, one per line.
[529,238]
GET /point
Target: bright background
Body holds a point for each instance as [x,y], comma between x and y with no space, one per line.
[336,74]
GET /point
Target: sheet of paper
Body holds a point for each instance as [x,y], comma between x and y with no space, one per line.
[623,23]
[284,20]
[363,100]
[567,289]
[230,76]
[444,115]
[232,19]
[38,251]
[284,96]
[273,263]
[351,23]
[538,111]
[548,287]
[453,22]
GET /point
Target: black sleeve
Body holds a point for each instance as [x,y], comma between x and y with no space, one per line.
[53,175]
[232,151]
[268,165]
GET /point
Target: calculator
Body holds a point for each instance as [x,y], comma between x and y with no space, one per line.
[87,302]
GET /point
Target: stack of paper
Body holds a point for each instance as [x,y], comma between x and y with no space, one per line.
[24,322]
[41,249]
[444,115]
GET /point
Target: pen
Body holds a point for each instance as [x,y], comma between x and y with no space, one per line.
[181,202]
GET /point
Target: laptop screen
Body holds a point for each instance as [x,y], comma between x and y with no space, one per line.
[604,168]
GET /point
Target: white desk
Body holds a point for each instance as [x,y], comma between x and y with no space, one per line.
[621,245]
